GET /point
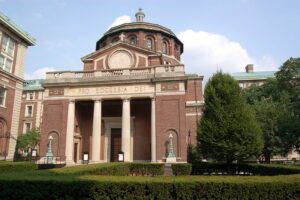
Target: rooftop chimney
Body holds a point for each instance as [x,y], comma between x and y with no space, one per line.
[249,68]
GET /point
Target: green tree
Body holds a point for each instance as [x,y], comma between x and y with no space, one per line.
[228,130]
[288,78]
[29,140]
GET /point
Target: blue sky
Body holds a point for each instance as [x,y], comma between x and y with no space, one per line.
[218,34]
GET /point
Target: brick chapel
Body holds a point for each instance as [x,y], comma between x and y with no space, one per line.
[132,94]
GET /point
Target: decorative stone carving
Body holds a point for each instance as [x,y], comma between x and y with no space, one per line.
[120,59]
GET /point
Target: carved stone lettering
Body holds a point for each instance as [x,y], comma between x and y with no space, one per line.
[56,92]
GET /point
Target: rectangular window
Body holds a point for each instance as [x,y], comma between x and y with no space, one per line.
[2,96]
[11,47]
[27,126]
[8,45]
[8,65]
[4,43]
[1,62]
[30,96]
[29,111]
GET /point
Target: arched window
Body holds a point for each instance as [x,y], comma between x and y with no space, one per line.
[132,40]
[149,43]
[165,47]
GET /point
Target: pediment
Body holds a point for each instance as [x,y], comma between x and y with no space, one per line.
[118,45]
[119,55]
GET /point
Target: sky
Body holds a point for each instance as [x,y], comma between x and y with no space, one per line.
[217,34]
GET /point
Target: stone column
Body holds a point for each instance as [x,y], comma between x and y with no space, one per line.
[126,146]
[96,132]
[153,130]
[70,133]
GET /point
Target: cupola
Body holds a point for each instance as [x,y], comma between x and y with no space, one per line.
[140,16]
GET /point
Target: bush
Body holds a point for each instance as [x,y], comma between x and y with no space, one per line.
[114,169]
[146,169]
[181,169]
[7,167]
[254,169]
[167,189]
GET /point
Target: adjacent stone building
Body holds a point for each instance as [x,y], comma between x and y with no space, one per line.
[13,46]
[250,77]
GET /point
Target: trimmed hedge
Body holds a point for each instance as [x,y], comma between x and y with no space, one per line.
[7,167]
[181,169]
[146,169]
[183,190]
[114,169]
[253,169]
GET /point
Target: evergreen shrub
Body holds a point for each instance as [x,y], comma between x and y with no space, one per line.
[87,189]
[253,169]
[7,167]
[181,169]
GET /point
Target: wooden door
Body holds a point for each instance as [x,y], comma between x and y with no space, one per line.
[75,152]
[116,144]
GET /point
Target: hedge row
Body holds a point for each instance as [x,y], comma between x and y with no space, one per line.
[182,169]
[86,189]
[114,169]
[7,167]
[146,169]
[254,169]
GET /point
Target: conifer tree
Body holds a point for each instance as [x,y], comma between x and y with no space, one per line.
[228,130]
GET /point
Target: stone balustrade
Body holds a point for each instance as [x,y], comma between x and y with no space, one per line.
[162,69]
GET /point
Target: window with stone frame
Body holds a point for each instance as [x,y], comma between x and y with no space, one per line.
[132,40]
[27,127]
[2,96]
[30,96]
[29,111]
[149,43]
[7,53]
[165,47]
[8,45]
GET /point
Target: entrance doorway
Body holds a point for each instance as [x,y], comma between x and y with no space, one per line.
[116,144]
[75,152]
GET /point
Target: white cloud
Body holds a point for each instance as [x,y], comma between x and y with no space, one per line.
[120,20]
[39,73]
[205,53]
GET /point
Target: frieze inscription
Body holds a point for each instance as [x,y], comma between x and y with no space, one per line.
[112,90]
[56,92]
[169,87]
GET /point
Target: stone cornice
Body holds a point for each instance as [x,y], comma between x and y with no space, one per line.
[116,80]
[11,76]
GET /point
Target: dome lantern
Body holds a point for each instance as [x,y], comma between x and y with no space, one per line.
[140,16]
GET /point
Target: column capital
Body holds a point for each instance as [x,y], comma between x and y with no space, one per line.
[97,99]
[125,98]
[71,101]
[153,98]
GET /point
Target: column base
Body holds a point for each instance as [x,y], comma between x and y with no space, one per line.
[171,160]
[70,162]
